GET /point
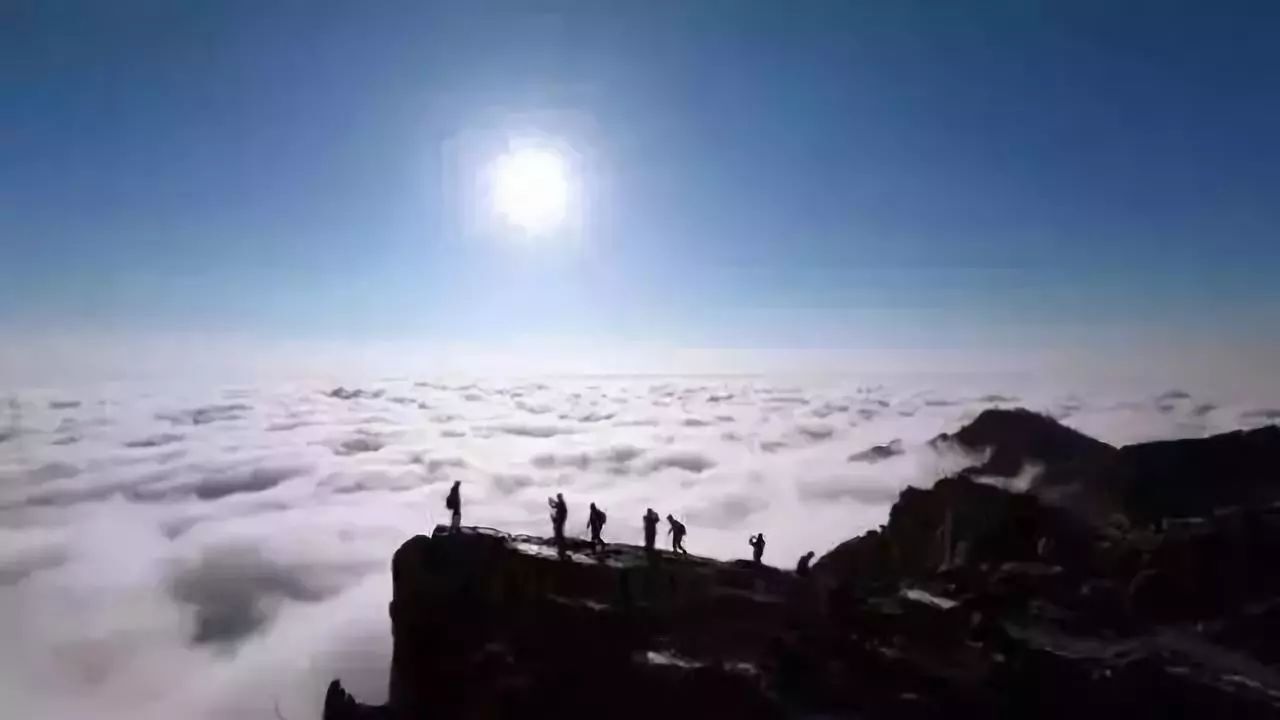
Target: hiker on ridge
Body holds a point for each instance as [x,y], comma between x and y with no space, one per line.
[651,520]
[595,522]
[454,504]
[677,533]
[559,513]
[802,567]
[757,547]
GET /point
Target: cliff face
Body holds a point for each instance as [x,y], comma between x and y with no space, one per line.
[985,525]
[970,601]
[490,625]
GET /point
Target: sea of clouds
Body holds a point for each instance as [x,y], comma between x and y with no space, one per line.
[202,551]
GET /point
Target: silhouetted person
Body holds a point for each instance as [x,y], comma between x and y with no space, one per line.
[651,520]
[559,513]
[595,522]
[802,567]
[454,504]
[677,533]
[757,547]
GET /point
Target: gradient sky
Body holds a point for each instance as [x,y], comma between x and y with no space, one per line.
[759,175]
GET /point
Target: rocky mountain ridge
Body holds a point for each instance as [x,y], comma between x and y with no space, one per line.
[1139,582]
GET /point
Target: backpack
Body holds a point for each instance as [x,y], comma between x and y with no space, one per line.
[451,502]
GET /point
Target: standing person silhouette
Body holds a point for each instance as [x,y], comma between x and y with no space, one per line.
[757,547]
[651,520]
[677,533]
[559,513]
[595,522]
[454,504]
[802,567]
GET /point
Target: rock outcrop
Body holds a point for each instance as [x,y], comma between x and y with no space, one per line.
[492,625]
[1015,438]
[1145,482]
[971,601]
[959,522]
[1184,478]
[877,453]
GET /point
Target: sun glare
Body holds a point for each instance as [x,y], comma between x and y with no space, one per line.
[531,190]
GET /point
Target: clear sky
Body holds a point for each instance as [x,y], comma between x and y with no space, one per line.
[754,175]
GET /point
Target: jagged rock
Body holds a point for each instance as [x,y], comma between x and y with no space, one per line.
[876,453]
[986,525]
[491,625]
[1146,481]
[494,625]
[971,601]
[1179,478]
[339,705]
[1014,437]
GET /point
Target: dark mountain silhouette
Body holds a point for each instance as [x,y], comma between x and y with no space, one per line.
[1015,437]
[1177,478]
[971,601]
[1144,482]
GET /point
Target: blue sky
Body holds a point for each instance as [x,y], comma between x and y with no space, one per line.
[759,175]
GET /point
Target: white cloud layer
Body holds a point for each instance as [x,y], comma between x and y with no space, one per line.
[209,551]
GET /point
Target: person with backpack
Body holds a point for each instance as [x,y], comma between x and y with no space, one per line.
[595,522]
[677,533]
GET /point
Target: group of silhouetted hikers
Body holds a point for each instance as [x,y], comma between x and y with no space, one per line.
[676,530]
[596,519]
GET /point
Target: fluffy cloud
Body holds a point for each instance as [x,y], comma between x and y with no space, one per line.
[223,551]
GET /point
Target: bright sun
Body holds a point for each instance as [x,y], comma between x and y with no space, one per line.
[531,189]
